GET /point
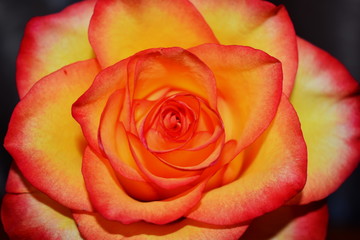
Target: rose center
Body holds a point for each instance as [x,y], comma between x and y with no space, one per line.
[171,121]
[174,119]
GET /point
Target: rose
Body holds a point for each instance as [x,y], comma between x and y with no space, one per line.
[198,137]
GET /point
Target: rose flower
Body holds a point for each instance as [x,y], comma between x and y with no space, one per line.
[201,119]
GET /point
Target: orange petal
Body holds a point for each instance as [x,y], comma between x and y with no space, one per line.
[194,159]
[249,89]
[35,216]
[158,172]
[273,171]
[95,226]
[114,143]
[106,193]
[173,68]
[119,29]
[254,23]
[295,222]
[113,138]
[159,131]
[46,142]
[53,41]
[326,99]
[88,108]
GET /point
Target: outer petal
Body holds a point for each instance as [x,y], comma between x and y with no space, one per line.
[106,193]
[273,170]
[53,41]
[249,89]
[49,157]
[35,216]
[327,101]
[296,223]
[93,226]
[254,23]
[16,183]
[121,28]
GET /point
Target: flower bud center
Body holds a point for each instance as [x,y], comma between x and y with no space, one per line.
[171,120]
[175,118]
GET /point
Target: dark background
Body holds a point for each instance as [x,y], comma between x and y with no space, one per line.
[333,25]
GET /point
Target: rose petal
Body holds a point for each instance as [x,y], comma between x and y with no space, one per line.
[35,216]
[119,29]
[273,170]
[95,226]
[106,193]
[330,119]
[230,167]
[152,128]
[194,159]
[115,145]
[173,68]
[16,183]
[295,222]
[88,108]
[49,157]
[158,172]
[254,23]
[249,89]
[113,138]
[53,41]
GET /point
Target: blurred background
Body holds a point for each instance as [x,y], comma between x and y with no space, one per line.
[332,25]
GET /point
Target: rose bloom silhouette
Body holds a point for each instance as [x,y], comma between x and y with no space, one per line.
[176,120]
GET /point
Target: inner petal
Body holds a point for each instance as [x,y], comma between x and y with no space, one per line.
[170,124]
[172,120]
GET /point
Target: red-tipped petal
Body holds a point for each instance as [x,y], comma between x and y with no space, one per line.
[119,29]
[53,41]
[254,23]
[93,226]
[327,100]
[249,89]
[49,157]
[106,193]
[16,183]
[35,216]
